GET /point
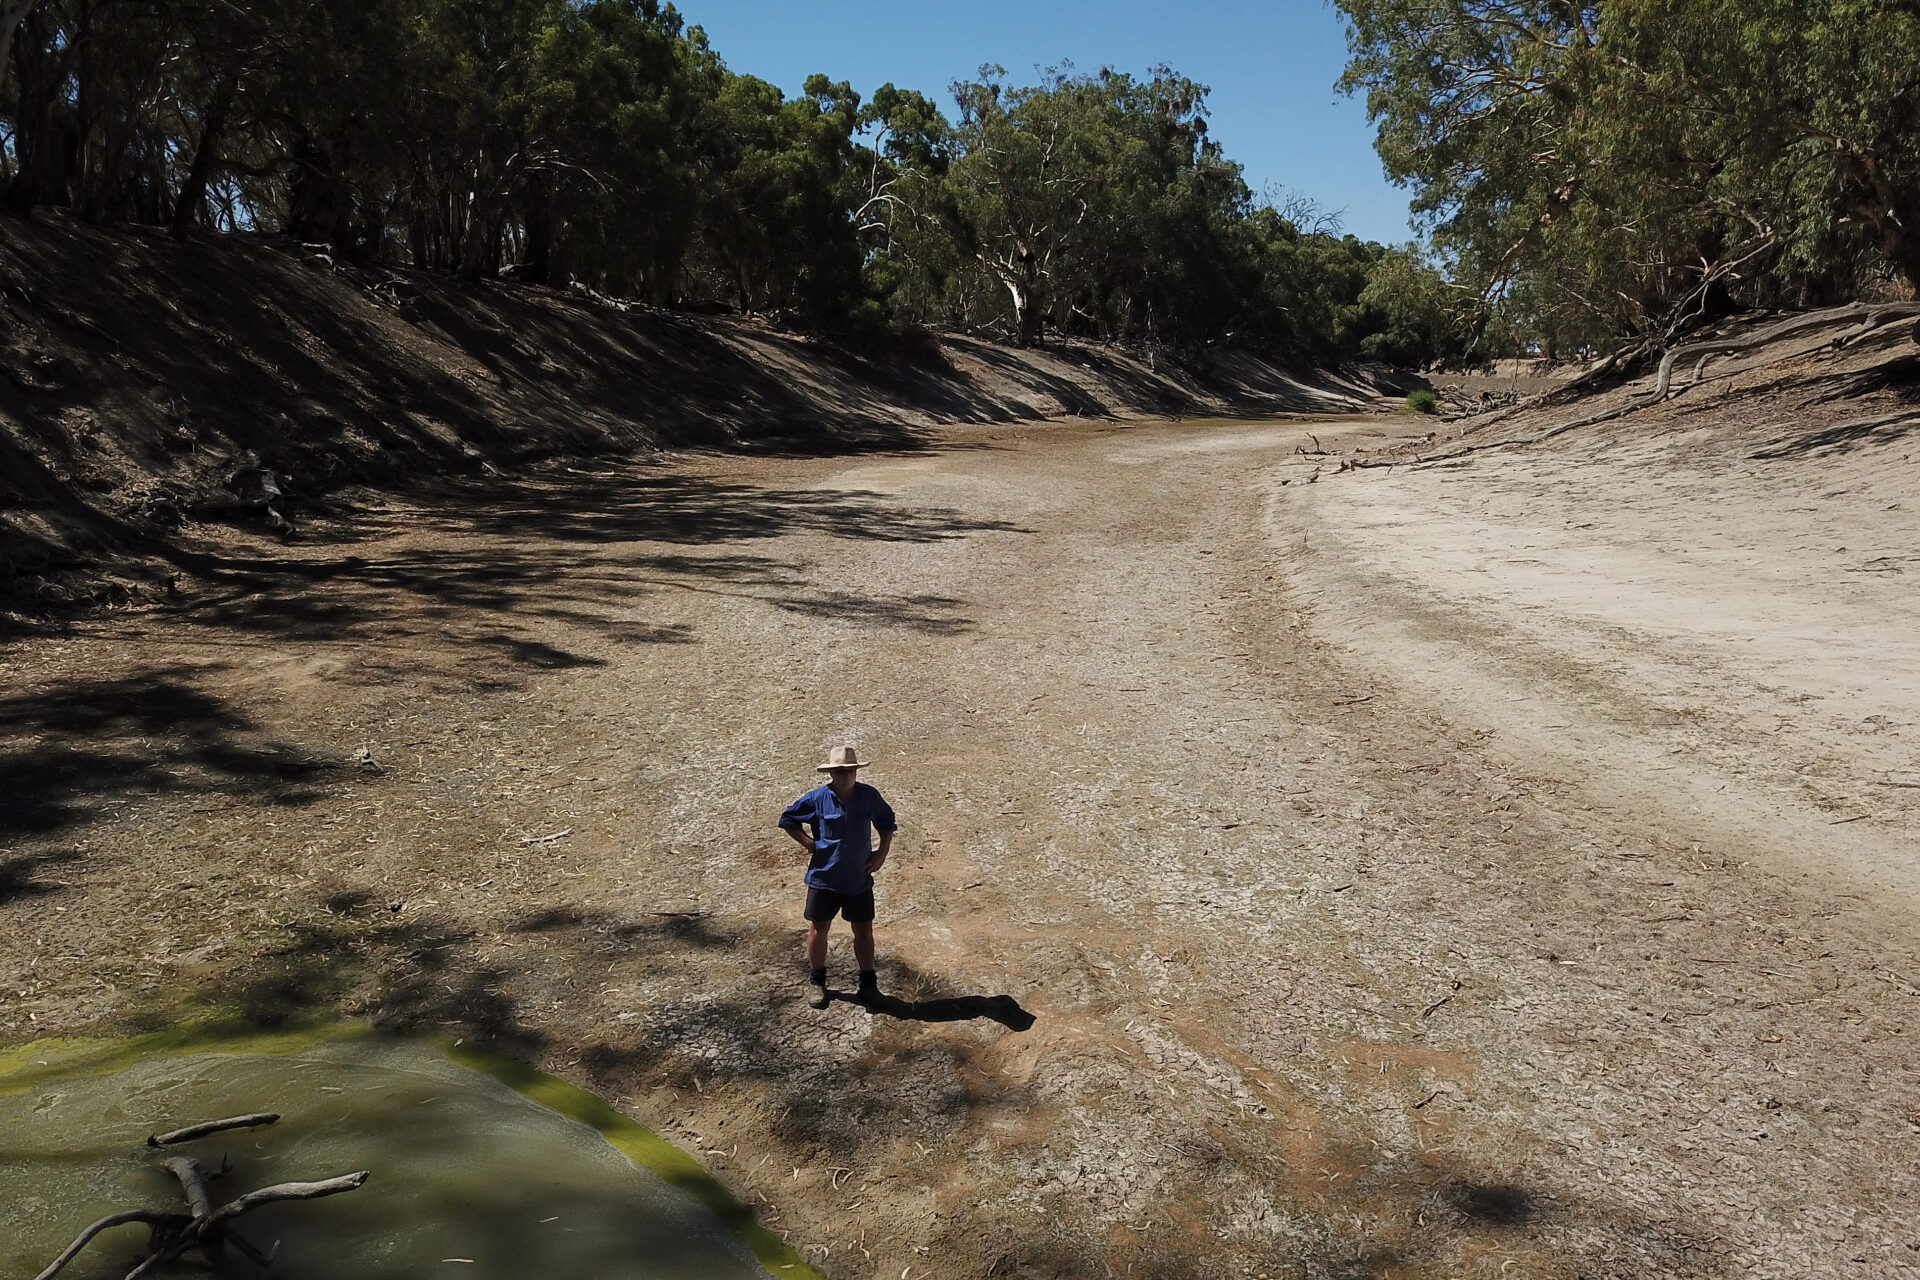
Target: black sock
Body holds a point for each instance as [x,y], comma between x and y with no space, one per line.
[820,976]
[868,978]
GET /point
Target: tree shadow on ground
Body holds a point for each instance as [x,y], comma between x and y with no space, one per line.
[508,566]
[729,1020]
[404,972]
[930,615]
[20,877]
[579,549]
[73,743]
[1498,1204]
[1846,438]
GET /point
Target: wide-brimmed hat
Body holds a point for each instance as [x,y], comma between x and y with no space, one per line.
[841,758]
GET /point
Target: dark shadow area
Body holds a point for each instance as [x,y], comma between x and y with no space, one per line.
[508,556]
[652,934]
[1846,438]
[158,702]
[1900,375]
[1004,1010]
[1497,1204]
[717,998]
[20,877]
[193,355]
[68,746]
[930,615]
[632,504]
[400,971]
[533,653]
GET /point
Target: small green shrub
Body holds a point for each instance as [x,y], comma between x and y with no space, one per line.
[1423,402]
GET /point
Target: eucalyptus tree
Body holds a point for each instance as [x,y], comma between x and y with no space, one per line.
[1022,185]
[1597,168]
[780,179]
[606,143]
[1096,201]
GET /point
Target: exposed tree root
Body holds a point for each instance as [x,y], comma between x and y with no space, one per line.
[1871,317]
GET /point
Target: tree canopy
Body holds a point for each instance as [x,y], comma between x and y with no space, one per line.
[1590,169]
[605,143]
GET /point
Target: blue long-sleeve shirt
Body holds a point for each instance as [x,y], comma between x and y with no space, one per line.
[842,835]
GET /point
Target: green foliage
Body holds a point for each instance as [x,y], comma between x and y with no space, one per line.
[604,143]
[1423,401]
[1098,206]
[1591,169]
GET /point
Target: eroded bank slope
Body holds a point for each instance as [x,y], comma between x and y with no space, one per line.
[137,374]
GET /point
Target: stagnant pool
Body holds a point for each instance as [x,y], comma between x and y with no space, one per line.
[481,1168]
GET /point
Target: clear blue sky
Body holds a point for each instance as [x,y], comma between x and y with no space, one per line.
[1271,66]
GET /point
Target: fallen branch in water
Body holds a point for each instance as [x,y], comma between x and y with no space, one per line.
[193,1184]
[155,1220]
[285,1191]
[193,1131]
[203,1228]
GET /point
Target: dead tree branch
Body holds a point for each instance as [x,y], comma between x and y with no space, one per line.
[157,1221]
[193,1183]
[202,1228]
[281,1191]
[1870,317]
[193,1131]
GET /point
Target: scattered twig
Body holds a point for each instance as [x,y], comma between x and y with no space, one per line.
[548,839]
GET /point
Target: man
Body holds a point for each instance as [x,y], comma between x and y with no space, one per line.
[835,824]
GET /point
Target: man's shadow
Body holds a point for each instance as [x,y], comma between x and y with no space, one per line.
[1004,1010]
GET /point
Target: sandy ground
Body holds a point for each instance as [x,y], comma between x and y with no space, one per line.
[1499,869]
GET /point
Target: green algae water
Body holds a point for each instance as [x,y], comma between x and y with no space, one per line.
[482,1168]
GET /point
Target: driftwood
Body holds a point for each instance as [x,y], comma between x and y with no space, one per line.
[283,1191]
[203,1227]
[193,1182]
[157,1221]
[193,1131]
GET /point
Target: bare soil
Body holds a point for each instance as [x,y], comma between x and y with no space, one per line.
[1499,868]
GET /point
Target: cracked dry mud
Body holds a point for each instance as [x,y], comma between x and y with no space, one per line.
[1501,870]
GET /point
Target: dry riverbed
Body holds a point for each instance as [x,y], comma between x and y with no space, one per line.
[1497,869]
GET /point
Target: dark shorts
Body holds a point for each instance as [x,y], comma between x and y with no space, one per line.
[854,908]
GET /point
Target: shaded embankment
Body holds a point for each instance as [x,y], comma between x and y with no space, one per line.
[136,374]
